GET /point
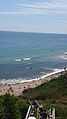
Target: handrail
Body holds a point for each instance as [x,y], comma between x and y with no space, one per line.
[36,106]
[28,112]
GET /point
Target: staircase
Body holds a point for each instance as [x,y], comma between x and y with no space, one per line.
[35,111]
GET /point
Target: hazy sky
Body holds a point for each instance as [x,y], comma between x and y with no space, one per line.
[33,15]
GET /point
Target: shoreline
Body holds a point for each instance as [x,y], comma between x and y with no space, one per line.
[23,80]
[18,88]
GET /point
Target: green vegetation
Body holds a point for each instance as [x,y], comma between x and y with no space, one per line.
[53,91]
[50,94]
[12,107]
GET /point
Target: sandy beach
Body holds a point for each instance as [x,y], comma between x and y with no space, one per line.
[18,88]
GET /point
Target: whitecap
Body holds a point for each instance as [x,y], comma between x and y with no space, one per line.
[55,69]
[17,60]
[27,58]
[65,53]
[63,57]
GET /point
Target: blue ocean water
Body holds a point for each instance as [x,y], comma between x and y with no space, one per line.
[26,56]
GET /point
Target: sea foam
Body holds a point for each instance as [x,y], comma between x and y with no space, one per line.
[27,58]
[52,73]
[22,80]
[63,57]
[17,60]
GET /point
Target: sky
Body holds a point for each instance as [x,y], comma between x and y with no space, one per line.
[45,16]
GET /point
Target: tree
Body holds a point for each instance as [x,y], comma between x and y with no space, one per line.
[11,109]
[23,107]
[1,107]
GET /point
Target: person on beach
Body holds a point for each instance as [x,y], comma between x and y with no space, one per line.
[64,68]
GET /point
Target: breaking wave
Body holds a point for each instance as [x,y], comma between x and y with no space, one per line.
[64,56]
[12,81]
[27,58]
[18,60]
[16,81]
[22,80]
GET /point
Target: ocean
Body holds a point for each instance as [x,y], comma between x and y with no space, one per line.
[25,56]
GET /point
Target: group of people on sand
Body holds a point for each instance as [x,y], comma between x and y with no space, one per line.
[8,90]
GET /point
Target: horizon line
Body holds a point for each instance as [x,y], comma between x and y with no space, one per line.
[33,32]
